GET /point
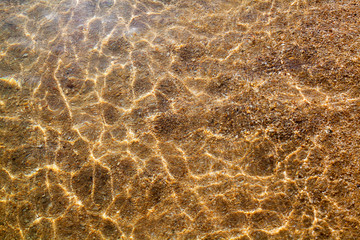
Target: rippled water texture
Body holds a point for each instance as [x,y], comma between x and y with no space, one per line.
[166,119]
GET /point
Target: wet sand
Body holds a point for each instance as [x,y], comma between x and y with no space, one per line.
[179,119]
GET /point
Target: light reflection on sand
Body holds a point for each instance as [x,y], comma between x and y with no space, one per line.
[179,119]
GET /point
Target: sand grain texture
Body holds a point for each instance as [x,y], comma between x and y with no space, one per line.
[168,119]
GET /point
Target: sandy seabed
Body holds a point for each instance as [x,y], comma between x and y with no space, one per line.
[205,119]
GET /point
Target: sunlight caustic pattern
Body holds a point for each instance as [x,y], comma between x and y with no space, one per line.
[179,119]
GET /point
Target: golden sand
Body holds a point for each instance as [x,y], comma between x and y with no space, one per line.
[166,119]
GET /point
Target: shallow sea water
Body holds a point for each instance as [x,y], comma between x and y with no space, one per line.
[166,119]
